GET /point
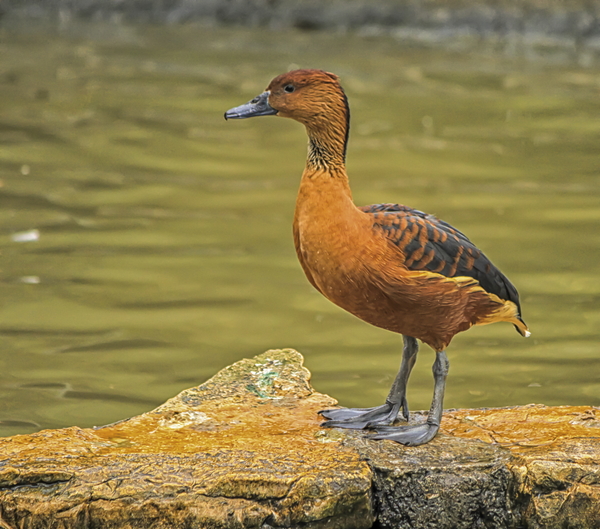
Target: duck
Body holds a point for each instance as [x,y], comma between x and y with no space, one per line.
[390,265]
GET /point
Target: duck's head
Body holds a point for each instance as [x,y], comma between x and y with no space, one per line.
[314,98]
[308,96]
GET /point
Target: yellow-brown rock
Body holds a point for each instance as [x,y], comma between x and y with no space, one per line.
[555,463]
[531,466]
[242,450]
[245,450]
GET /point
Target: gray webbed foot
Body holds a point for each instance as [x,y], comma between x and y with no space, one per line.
[410,435]
[359,418]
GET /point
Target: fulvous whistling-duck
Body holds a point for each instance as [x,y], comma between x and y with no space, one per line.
[392,266]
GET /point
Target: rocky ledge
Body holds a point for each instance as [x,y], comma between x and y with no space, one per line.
[245,450]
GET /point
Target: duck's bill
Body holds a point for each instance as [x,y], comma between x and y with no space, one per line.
[259,106]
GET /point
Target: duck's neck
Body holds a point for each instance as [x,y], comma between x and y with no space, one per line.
[324,187]
[325,150]
[327,139]
[324,180]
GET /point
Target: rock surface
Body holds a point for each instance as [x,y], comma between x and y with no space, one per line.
[245,450]
[530,466]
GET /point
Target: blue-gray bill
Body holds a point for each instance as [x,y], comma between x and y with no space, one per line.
[259,106]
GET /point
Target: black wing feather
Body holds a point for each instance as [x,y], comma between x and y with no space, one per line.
[431,244]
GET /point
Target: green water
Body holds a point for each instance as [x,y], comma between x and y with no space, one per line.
[164,248]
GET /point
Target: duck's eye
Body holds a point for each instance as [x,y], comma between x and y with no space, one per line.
[289,88]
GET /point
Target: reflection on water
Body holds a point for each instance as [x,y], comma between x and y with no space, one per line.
[146,243]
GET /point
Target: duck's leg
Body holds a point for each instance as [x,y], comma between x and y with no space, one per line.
[358,418]
[419,434]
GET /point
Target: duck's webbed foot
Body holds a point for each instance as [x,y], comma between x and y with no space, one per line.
[410,435]
[386,414]
[418,434]
[359,418]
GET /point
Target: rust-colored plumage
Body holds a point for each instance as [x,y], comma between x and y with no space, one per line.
[392,266]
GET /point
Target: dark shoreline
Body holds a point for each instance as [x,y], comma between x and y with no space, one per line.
[568,23]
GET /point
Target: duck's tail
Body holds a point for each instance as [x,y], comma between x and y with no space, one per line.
[506,311]
[522,328]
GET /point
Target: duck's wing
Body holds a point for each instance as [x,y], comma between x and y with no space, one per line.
[431,244]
